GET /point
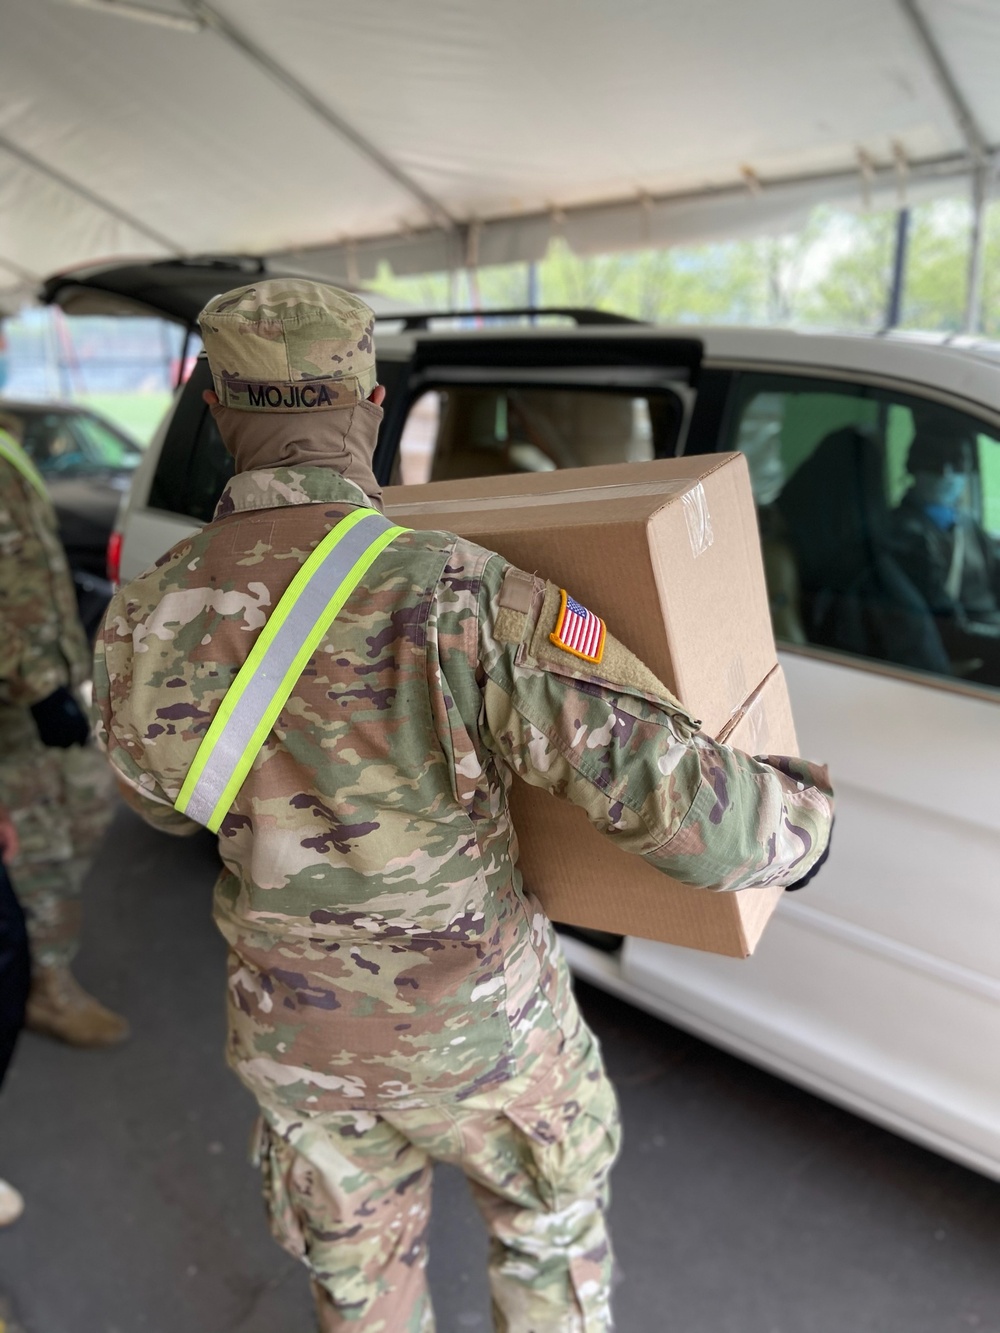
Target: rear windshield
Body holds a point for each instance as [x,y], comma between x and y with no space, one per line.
[469,430]
[447,431]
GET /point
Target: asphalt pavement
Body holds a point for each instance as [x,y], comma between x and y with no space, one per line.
[741,1204]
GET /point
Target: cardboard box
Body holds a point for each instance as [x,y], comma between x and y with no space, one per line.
[668,553]
[583,880]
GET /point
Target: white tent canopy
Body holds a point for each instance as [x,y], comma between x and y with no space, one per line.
[437,133]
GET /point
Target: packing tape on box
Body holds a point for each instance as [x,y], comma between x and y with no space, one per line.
[700,523]
[699,520]
[754,722]
[736,688]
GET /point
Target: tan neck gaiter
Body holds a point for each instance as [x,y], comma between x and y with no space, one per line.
[342,438]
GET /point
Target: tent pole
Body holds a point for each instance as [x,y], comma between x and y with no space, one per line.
[98,201]
[895,306]
[977,244]
[976,146]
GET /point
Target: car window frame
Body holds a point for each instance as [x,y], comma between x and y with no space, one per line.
[423,384]
[621,362]
[734,368]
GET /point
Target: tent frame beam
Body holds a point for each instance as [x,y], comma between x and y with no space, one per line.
[230,33]
[974,138]
[979,154]
[945,166]
[977,248]
[19,272]
[98,201]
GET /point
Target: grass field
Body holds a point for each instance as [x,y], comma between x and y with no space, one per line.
[138,414]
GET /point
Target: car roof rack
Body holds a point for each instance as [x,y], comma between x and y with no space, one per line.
[582,316]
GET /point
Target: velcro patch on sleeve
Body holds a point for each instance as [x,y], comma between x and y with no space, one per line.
[517,593]
[578,631]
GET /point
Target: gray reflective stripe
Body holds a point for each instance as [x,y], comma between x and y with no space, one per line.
[303,614]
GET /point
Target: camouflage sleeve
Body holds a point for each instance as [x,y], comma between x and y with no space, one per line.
[138,789]
[32,661]
[612,739]
[11,655]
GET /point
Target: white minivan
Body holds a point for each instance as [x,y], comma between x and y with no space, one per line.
[876,466]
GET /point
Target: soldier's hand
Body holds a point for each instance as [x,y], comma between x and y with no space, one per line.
[60,720]
[811,874]
[9,846]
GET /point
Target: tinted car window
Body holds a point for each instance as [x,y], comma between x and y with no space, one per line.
[104,447]
[484,430]
[194,464]
[75,443]
[51,443]
[880,518]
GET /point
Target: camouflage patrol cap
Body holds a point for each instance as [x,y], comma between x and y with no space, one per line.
[289,345]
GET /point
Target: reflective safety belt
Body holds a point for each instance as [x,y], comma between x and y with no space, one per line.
[284,646]
[15,455]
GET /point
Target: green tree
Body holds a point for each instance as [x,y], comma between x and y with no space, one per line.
[853,290]
[834,271]
[934,290]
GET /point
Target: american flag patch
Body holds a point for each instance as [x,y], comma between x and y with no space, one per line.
[578,631]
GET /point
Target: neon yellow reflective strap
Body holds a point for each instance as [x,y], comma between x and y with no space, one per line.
[15,455]
[282,650]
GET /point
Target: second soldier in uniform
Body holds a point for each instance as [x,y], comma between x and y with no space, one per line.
[396,996]
[53,780]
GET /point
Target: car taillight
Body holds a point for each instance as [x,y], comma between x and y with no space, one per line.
[114,558]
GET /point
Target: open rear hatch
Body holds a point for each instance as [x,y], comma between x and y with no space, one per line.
[175,289]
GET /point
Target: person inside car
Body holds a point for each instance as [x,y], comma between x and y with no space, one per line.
[945,550]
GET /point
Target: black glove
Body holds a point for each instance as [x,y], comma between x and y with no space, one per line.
[60,720]
[801,883]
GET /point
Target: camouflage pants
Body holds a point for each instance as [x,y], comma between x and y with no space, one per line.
[61,802]
[350,1194]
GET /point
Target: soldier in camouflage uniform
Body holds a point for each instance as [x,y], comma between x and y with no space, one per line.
[15,978]
[396,995]
[54,782]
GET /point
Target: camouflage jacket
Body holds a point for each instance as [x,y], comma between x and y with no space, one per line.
[383,950]
[43,643]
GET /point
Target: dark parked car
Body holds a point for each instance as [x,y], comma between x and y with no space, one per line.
[87,464]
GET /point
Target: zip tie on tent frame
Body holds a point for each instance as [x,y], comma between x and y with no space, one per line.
[902,164]
[557,217]
[472,235]
[646,216]
[866,166]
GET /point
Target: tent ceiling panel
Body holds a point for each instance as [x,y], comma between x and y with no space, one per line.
[968,35]
[42,218]
[517,106]
[177,131]
[436,132]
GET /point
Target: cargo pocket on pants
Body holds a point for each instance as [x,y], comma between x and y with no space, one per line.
[572,1131]
[276,1162]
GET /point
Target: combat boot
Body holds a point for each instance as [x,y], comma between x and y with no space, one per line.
[11,1206]
[58,1006]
